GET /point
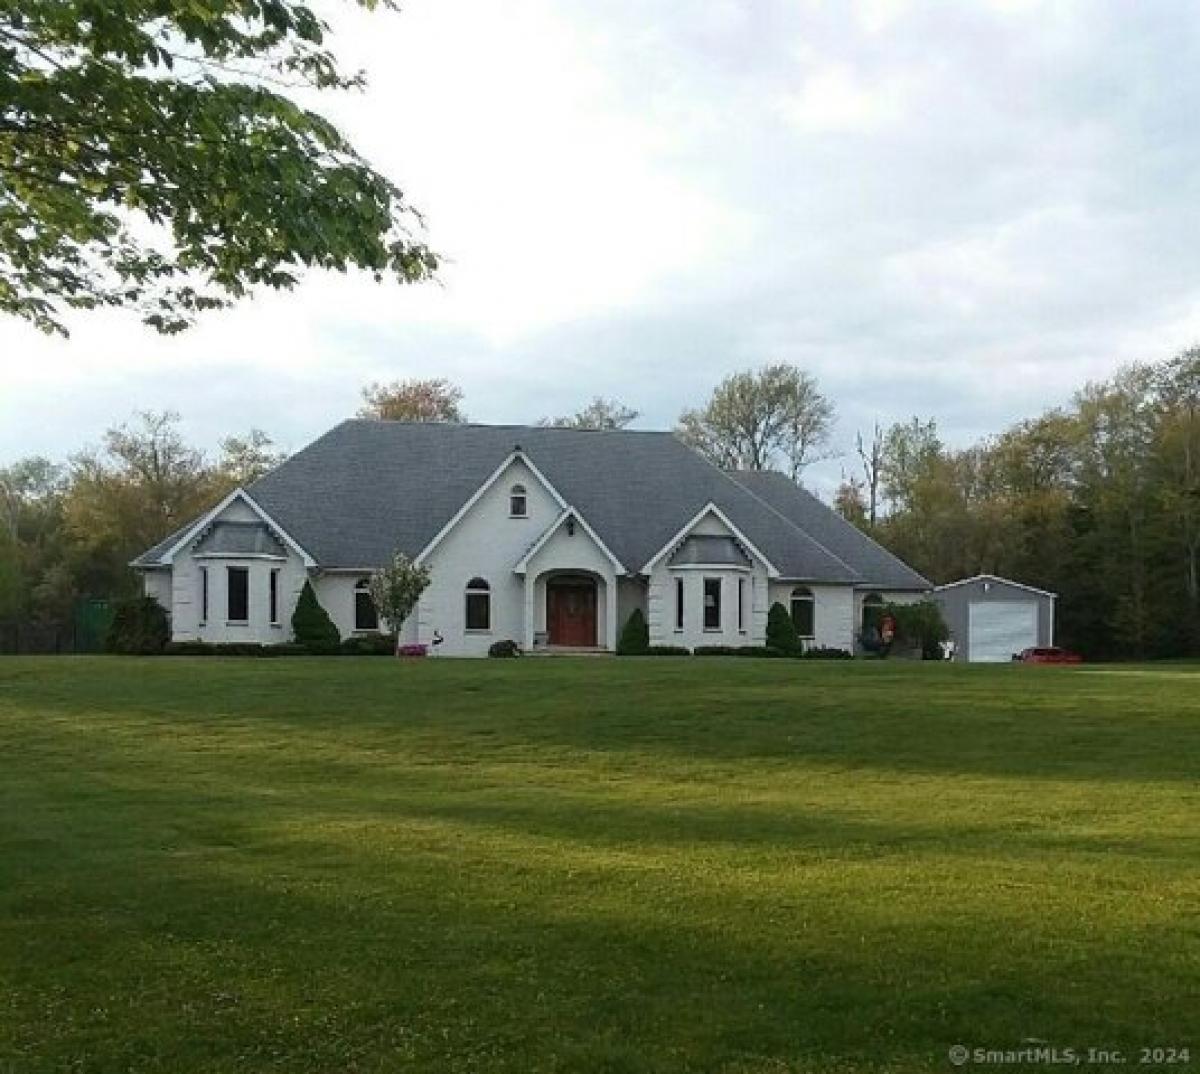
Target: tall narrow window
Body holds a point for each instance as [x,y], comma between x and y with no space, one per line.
[237,594]
[273,597]
[479,605]
[804,611]
[518,502]
[203,594]
[742,605]
[365,615]
[678,603]
[712,603]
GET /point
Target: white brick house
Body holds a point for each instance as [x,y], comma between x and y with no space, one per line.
[543,536]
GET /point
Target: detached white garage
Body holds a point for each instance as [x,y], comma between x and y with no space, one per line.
[992,618]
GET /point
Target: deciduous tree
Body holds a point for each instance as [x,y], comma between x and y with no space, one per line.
[774,418]
[396,588]
[600,413]
[156,156]
[432,400]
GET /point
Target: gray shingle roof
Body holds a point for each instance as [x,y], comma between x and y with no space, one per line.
[875,563]
[239,538]
[366,488]
[710,549]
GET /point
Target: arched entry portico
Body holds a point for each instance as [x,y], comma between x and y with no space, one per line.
[572,609]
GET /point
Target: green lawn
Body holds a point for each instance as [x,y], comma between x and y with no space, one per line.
[591,865]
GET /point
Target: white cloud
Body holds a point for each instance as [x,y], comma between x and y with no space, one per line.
[961,210]
[834,98]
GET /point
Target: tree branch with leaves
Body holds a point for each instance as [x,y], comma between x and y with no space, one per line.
[152,158]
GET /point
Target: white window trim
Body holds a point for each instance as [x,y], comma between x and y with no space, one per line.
[228,620]
[567,514]
[516,455]
[360,588]
[811,599]
[523,496]
[168,557]
[468,593]
[719,628]
[707,509]
[204,594]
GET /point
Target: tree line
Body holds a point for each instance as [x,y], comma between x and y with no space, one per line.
[1098,500]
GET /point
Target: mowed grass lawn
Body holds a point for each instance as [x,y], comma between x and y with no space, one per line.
[591,865]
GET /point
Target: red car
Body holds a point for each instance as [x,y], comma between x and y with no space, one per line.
[1050,654]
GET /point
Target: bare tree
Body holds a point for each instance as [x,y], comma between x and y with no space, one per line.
[872,463]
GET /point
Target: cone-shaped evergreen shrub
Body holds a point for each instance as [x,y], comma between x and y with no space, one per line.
[635,636]
[311,624]
[781,631]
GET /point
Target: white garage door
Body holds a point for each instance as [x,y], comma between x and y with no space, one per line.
[999,629]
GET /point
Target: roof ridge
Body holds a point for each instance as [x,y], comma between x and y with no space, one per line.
[498,425]
[728,475]
[771,507]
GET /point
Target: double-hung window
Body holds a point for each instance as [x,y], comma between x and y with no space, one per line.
[237,594]
[365,615]
[479,605]
[712,603]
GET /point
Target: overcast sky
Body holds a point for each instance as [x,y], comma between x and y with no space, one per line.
[960,210]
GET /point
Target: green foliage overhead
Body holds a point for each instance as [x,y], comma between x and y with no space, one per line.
[153,156]
[635,635]
[781,631]
[311,624]
[139,628]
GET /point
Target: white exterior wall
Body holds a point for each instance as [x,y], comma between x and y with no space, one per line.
[157,584]
[661,597]
[834,623]
[486,543]
[335,590]
[631,593]
[566,553]
[185,602]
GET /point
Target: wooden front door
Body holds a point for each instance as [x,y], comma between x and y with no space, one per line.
[571,613]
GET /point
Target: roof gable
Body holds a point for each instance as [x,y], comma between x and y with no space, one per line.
[366,488]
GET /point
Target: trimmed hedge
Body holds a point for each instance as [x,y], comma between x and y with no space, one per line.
[666,650]
[139,628]
[233,648]
[368,645]
[504,649]
[826,652]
